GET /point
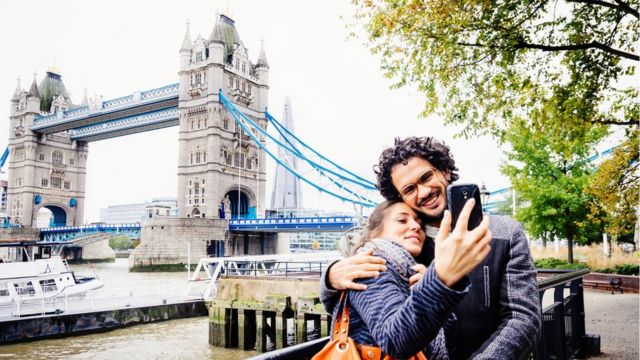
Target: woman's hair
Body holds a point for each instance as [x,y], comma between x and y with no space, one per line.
[375,223]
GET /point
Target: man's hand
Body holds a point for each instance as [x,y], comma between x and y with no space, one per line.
[459,251]
[420,270]
[342,274]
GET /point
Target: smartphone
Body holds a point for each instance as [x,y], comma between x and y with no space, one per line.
[457,196]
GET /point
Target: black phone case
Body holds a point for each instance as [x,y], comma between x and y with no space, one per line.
[457,196]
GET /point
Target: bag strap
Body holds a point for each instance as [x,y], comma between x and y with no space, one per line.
[341,324]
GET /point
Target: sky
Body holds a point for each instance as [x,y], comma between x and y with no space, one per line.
[342,104]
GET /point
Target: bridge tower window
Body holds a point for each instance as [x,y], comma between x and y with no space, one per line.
[41,156]
[56,158]
[225,124]
[199,56]
[67,185]
[44,182]
[56,182]
[244,67]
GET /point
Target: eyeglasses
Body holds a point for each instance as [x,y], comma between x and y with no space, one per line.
[425,179]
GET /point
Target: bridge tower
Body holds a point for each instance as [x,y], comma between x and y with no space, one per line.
[221,172]
[44,170]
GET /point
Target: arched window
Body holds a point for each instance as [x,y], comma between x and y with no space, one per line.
[225,124]
[197,159]
[56,157]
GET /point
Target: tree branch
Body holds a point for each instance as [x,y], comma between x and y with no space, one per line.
[621,6]
[584,46]
[613,122]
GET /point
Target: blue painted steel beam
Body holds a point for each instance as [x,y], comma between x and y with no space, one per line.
[304,224]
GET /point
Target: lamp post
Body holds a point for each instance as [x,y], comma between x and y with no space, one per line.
[484,196]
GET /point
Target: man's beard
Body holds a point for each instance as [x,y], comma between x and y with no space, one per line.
[431,219]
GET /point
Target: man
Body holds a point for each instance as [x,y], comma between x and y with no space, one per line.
[500,316]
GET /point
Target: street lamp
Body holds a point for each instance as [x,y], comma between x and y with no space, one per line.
[484,195]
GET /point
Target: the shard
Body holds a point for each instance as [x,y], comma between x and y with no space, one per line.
[286,197]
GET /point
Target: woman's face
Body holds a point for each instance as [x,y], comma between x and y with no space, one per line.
[401,224]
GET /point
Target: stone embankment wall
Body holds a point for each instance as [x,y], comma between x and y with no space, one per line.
[168,241]
[259,313]
[245,289]
[165,242]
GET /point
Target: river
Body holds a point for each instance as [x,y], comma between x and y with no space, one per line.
[174,339]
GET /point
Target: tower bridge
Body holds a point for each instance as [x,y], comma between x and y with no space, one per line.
[221,163]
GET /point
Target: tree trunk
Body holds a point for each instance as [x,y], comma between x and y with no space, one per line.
[570,249]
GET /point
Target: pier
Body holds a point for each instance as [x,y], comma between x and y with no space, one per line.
[26,320]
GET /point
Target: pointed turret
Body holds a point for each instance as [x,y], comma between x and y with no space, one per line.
[33,91]
[187,44]
[16,94]
[51,87]
[262,58]
[216,33]
[85,99]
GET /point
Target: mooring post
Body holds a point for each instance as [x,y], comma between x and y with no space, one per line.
[261,324]
[281,305]
[219,323]
[247,330]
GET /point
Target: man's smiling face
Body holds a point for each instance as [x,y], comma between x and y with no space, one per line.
[422,187]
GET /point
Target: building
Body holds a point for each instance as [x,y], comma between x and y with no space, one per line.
[286,196]
[219,165]
[45,171]
[133,213]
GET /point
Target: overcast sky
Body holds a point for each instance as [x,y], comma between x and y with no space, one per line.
[342,105]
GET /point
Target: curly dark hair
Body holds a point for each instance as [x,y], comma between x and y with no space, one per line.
[428,148]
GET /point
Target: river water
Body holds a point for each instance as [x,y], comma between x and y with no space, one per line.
[174,339]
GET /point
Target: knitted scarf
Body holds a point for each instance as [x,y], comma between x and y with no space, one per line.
[396,255]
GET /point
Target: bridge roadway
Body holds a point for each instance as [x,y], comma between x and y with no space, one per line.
[138,112]
[273,225]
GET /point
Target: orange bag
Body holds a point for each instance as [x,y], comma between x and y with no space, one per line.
[342,347]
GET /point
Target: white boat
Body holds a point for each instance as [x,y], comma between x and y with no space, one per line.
[42,279]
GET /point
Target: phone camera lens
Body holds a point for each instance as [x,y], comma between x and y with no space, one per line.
[465,192]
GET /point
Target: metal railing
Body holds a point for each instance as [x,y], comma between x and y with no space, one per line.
[563,328]
[159,293]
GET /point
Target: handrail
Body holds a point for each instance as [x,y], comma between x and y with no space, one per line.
[564,277]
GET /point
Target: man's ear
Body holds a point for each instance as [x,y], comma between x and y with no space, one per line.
[447,175]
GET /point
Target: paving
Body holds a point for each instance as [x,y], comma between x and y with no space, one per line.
[616,319]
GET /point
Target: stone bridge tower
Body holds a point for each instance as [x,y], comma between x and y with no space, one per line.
[221,172]
[44,170]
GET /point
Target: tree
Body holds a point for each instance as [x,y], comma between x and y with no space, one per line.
[477,62]
[551,177]
[488,65]
[617,186]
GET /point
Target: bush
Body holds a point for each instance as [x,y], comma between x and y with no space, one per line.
[627,269]
[119,242]
[553,263]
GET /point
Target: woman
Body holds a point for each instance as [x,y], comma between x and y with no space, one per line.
[391,315]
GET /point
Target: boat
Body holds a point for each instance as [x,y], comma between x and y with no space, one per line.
[42,279]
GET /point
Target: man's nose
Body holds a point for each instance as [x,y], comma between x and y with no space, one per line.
[423,191]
